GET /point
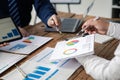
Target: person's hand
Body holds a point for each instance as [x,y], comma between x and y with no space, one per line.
[3,44]
[23,32]
[92,26]
[54,21]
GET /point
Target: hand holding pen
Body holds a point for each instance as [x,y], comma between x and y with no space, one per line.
[86,25]
[56,27]
[96,25]
[54,21]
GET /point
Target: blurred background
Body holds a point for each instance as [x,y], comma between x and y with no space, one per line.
[102,8]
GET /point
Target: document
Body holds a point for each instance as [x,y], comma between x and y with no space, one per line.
[73,47]
[40,68]
[26,45]
[7,60]
[102,38]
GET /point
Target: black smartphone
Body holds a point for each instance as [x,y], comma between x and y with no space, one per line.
[8,30]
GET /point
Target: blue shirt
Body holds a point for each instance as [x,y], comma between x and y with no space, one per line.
[43,8]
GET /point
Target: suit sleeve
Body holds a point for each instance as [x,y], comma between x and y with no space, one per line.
[44,9]
[100,68]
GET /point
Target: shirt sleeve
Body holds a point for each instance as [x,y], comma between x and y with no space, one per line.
[100,68]
[114,30]
[44,9]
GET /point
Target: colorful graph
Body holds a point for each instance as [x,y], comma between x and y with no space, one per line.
[29,40]
[73,42]
[70,51]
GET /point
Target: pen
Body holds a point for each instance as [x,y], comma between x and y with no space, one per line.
[21,71]
[81,31]
[96,18]
[56,27]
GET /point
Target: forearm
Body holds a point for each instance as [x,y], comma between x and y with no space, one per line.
[44,10]
[101,69]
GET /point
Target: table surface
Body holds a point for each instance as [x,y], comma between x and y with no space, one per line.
[103,50]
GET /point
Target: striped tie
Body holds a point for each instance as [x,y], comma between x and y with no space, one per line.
[13,10]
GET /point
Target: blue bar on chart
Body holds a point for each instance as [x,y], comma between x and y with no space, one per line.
[37,73]
[4,37]
[15,32]
[43,68]
[10,34]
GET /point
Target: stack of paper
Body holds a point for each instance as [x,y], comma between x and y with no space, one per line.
[74,47]
[102,38]
[40,68]
[20,48]
[7,60]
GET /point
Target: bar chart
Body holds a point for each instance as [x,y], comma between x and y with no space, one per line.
[10,34]
[8,30]
[37,73]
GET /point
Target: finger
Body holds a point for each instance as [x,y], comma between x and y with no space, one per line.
[56,20]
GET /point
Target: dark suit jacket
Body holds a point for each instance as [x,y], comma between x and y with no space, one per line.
[43,8]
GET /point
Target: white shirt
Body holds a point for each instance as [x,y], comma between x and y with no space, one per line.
[100,68]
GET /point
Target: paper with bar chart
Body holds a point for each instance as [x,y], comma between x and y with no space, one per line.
[40,68]
[73,47]
[27,44]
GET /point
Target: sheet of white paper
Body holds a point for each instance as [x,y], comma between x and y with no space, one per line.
[27,44]
[102,38]
[40,68]
[7,60]
[74,47]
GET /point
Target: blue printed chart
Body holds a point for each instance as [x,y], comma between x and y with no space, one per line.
[38,73]
[41,68]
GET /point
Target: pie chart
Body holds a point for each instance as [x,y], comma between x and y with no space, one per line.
[70,51]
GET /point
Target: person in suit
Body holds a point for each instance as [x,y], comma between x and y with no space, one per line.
[98,67]
[44,9]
